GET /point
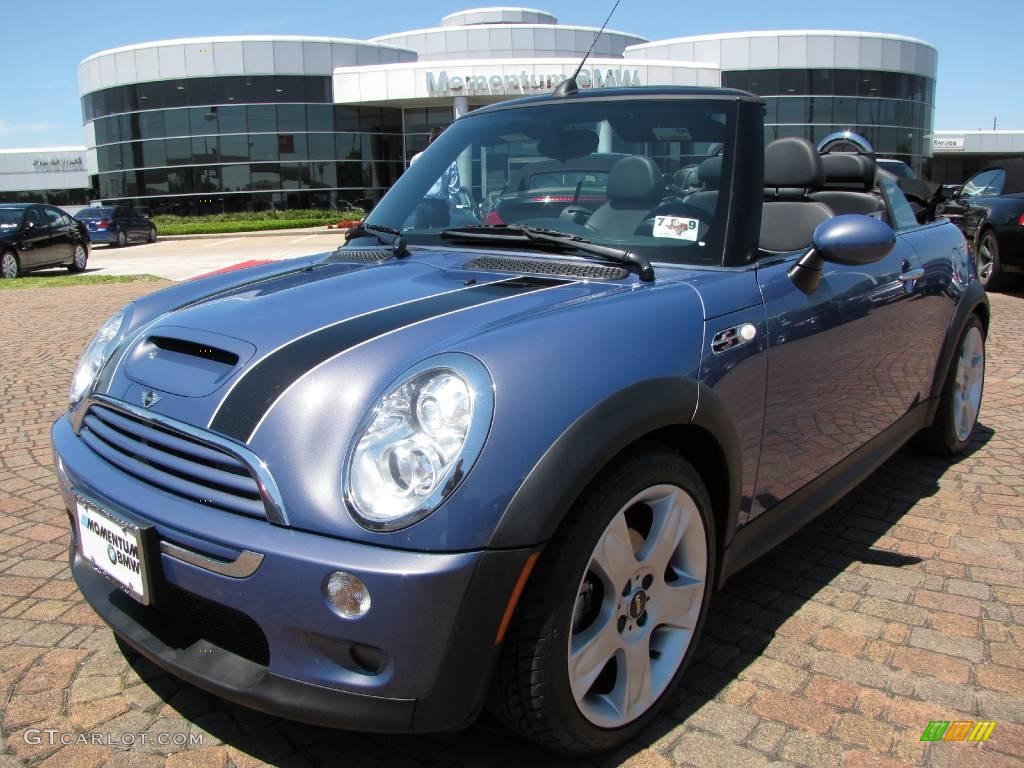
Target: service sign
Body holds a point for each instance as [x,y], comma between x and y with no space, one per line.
[114,549]
[947,143]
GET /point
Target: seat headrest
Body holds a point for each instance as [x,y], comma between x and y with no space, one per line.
[634,178]
[710,172]
[793,162]
[849,168]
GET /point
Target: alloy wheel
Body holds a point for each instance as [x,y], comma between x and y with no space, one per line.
[122,239]
[637,606]
[9,266]
[968,384]
[80,257]
[985,260]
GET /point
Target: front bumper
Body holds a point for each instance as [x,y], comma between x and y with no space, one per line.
[419,660]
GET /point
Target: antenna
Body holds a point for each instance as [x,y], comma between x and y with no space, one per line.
[569,87]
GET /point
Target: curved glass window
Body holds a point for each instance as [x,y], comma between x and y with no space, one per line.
[205,91]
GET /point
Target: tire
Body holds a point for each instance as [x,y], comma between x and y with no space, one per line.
[151,237]
[986,258]
[957,415]
[122,239]
[10,266]
[79,260]
[575,615]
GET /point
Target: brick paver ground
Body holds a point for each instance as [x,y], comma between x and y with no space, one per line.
[903,604]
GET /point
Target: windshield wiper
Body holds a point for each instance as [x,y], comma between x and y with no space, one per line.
[520,234]
[397,242]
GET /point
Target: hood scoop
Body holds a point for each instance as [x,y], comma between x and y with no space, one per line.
[186,361]
[361,255]
[580,270]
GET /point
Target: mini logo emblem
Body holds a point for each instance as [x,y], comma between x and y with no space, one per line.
[637,604]
[149,398]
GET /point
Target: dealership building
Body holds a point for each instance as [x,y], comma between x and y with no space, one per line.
[210,124]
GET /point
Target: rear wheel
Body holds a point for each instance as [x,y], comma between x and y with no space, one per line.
[151,237]
[960,403]
[122,239]
[10,267]
[80,259]
[612,615]
[990,269]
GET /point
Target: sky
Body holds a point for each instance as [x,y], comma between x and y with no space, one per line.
[978,78]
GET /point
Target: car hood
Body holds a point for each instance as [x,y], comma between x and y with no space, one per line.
[223,361]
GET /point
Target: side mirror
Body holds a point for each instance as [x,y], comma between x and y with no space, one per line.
[848,239]
[950,191]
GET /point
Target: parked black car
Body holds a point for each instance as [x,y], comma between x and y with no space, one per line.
[989,208]
[547,189]
[116,225]
[37,236]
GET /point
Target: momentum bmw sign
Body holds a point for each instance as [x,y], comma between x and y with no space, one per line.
[442,84]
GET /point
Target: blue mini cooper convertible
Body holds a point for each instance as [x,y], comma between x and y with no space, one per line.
[460,463]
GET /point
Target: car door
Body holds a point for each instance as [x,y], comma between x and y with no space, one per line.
[36,245]
[837,365]
[978,207]
[957,209]
[61,239]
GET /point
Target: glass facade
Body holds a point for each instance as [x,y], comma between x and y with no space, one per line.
[894,111]
[49,196]
[195,146]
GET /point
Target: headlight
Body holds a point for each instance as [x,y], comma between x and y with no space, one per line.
[419,441]
[97,353]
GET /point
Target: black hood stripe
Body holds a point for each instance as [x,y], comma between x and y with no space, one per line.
[258,389]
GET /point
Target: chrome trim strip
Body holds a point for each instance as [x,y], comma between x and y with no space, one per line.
[243,566]
[272,500]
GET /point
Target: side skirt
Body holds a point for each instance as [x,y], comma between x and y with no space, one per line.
[780,522]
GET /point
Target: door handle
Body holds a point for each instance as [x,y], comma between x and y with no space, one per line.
[914,274]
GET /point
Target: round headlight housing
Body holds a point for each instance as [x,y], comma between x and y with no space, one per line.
[97,353]
[419,441]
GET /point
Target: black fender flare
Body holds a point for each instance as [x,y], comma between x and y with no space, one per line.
[601,433]
[973,297]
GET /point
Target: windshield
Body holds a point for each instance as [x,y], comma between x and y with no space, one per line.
[10,218]
[94,213]
[897,168]
[646,175]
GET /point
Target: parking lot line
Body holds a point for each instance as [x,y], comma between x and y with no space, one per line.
[220,242]
[300,239]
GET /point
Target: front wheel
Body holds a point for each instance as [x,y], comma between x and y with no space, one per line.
[122,239]
[151,236]
[80,259]
[612,615]
[960,403]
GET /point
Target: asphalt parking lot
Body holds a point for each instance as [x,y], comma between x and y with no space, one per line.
[901,605]
[182,259]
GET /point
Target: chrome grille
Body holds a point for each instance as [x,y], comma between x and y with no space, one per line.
[175,463]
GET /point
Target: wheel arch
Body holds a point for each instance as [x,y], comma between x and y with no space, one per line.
[974,301]
[680,414]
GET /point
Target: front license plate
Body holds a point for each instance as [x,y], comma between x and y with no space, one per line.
[115,549]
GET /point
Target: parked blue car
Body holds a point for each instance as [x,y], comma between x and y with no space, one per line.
[116,225]
[450,466]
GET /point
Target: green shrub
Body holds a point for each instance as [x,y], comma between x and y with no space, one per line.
[315,215]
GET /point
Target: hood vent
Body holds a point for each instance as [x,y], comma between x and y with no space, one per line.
[203,351]
[580,270]
[361,255]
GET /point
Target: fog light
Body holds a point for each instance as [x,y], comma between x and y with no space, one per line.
[347,594]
